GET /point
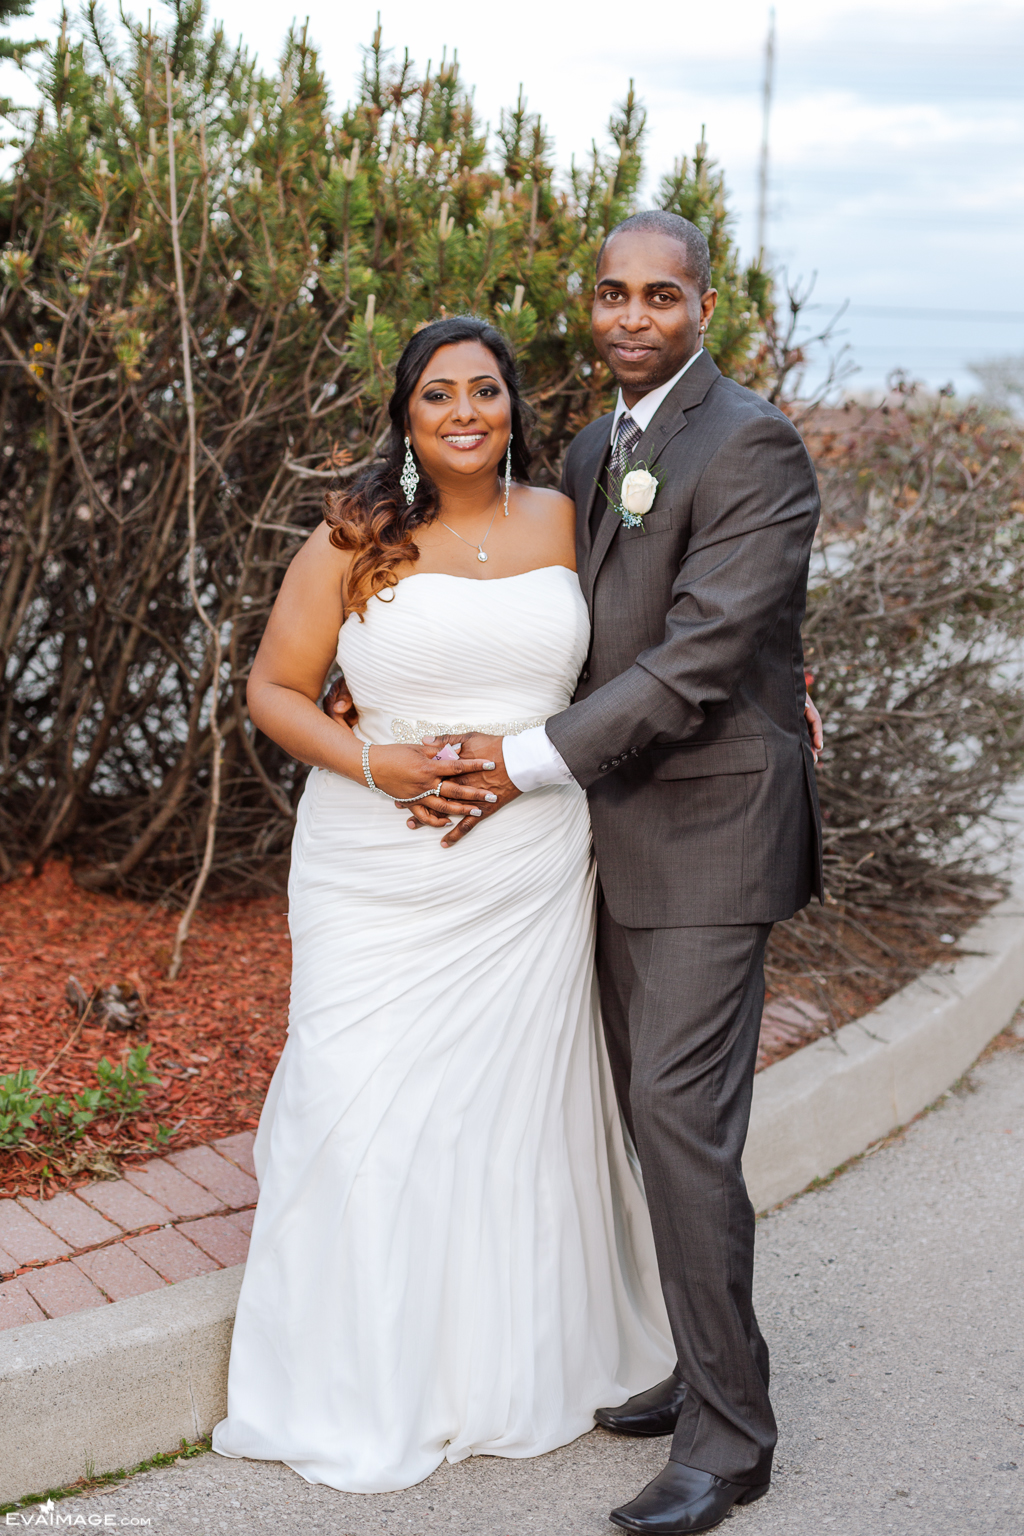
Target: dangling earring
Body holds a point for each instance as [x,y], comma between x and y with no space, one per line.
[409,479]
[508,471]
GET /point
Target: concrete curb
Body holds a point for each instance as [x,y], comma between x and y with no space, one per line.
[112,1386]
[825,1104]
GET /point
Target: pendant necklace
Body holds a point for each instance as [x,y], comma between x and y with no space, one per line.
[480,554]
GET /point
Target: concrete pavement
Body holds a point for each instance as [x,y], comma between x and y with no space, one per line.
[893,1301]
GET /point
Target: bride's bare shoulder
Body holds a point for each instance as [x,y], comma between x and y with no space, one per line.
[319,560]
[314,581]
[550,518]
[543,502]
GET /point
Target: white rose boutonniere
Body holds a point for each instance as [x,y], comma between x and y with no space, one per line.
[638,491]
[636,495]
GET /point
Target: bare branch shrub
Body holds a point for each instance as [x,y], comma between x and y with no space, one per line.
[915,634]
[915,639]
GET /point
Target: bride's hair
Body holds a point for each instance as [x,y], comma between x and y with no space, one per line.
[371,516]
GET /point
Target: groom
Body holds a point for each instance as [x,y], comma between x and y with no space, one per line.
[688,734]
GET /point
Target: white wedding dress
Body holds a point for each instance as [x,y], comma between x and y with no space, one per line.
[451,1253]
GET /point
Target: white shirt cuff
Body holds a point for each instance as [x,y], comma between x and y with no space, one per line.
[532,760]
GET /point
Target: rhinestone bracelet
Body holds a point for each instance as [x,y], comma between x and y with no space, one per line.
[367,775]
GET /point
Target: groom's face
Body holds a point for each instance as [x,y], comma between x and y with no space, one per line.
[648,310]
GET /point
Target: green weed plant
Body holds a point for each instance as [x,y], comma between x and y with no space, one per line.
[27,1114]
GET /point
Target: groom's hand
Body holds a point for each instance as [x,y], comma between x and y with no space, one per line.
[338,704]
[495,780]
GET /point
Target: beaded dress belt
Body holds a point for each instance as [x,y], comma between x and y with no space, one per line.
[415,730]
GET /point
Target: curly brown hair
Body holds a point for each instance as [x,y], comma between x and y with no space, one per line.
[371,517]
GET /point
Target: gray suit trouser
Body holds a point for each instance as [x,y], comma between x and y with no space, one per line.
[682,1012]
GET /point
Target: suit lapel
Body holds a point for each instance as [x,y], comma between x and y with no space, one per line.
[669,419]
[606,530]
[594,471]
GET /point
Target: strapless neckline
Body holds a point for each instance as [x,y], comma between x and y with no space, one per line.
[480,580]
[528,638]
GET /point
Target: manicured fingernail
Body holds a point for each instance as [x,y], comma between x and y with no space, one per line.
[476,811]
[493,799]
[488,765]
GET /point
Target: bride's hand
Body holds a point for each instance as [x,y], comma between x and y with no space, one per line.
[404,772]
[814,728]
[498,788]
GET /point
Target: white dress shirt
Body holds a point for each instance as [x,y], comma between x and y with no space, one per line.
[532,759]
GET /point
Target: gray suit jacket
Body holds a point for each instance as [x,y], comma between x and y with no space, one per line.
[687,727]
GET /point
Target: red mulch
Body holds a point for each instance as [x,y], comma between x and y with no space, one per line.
[845,961]
[217,1032]
[225,1017]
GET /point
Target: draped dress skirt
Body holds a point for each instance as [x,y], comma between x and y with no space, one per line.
[451,1253]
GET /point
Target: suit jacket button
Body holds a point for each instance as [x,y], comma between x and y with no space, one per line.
[585,675]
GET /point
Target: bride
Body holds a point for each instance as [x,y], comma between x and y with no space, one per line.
[451,1253]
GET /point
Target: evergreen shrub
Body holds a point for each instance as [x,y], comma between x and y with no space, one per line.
[313,243]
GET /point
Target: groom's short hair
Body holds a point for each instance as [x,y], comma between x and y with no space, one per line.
[698,256]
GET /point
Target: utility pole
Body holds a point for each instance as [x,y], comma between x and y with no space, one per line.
[762,174]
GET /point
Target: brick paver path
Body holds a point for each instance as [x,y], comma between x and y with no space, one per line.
[174,1217]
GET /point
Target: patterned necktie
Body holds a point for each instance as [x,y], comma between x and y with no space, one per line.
[629,435]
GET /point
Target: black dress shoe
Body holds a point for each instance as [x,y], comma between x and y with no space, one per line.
[683,1499]
[653,1412]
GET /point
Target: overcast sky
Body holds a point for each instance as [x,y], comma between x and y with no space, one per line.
[897,135]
